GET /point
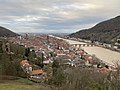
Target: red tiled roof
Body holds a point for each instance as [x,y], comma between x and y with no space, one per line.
[104,70]
[23,62]
[37,72]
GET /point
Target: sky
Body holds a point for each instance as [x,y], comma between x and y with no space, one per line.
[55,16]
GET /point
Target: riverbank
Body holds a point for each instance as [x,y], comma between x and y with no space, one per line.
[104,54]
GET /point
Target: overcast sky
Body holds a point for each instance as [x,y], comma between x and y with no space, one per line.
[55,16]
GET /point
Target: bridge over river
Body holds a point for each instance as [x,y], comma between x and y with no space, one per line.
[79,44]
[106,55]
[75,43]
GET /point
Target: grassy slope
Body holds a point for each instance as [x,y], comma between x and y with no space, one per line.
[22,84]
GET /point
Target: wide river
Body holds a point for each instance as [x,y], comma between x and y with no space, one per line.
[106,55]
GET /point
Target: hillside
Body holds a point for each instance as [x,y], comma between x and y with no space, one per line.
[6,32]
[9,63]
[102,32]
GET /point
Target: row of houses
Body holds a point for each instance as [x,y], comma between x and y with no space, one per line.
[36,75]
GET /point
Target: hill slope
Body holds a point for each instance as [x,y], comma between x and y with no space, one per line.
[6,32]
[102,32]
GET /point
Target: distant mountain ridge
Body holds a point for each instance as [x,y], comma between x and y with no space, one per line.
[4,32]
[102,32]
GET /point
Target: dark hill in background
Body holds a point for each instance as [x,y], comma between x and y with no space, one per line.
[6,32]
[102,32]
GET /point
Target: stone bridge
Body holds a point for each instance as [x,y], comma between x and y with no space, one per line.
[83,45]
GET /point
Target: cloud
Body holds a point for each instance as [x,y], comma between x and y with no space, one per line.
[55,16]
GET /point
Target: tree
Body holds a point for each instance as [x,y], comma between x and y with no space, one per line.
[55,66]
[1,50]
[27,51]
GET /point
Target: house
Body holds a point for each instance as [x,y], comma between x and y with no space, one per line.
[23,62]
[37,72]
[26,66]
[89,58]
[47,61]
[104,70]
[115,47]
[38,76]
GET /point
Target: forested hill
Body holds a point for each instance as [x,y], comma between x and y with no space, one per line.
[102,32]
[4,32]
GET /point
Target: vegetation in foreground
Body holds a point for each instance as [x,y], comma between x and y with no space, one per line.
[22,84]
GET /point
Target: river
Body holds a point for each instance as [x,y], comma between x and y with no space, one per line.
[106,55]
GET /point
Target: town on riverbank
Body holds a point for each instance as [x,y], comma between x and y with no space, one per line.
[57,62]
[66,52]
